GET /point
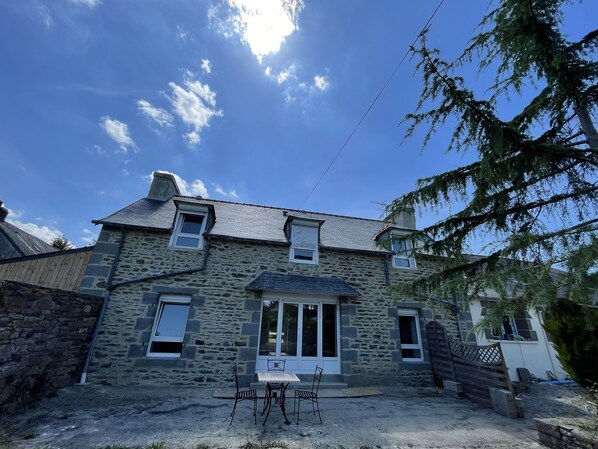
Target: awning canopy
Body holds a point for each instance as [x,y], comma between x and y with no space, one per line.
[294,283]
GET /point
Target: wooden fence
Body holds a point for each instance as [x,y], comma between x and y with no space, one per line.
[475,367]
[62,270]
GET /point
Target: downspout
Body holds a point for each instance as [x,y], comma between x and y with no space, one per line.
[106,298]
[195,269]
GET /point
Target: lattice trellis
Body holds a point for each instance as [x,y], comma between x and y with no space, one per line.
[489,355]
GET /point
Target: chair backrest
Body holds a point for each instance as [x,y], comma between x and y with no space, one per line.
[276,364]
[315,385]
[236,376]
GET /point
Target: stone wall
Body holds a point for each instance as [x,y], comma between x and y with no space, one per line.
[44,335]
[556,435]
[225,317]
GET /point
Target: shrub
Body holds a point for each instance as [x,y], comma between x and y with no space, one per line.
[574,331]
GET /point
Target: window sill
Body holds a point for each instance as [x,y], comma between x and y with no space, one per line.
[184,248]
[510,342]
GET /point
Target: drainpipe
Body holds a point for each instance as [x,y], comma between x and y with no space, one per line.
[106,298]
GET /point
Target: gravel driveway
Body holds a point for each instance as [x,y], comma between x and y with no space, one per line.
[82,417]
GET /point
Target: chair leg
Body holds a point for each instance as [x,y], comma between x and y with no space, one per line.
[298,407]
[320,416]
[232,414]
[255,410]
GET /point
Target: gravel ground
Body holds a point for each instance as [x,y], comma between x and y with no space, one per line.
[83,417]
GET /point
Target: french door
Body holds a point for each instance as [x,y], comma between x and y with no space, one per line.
[304,332]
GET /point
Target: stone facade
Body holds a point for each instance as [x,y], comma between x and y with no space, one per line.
[224,320]
[44,336]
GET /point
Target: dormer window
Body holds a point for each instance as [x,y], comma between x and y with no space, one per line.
[189,226]
[304,242]
[402,254]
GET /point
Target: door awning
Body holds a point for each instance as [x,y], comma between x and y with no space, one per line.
[294,283]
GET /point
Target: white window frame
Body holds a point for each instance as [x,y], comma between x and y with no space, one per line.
[404,255]
[307,224]
[415,314]
[178,225]
[167,299]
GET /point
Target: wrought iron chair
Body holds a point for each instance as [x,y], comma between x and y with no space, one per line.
[243,395]
[309,395]
[275,388]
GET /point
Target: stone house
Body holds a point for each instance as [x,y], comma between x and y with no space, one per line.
[192,286]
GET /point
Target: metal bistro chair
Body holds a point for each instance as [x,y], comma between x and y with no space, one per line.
[243,395]
[309,395]
[275,389]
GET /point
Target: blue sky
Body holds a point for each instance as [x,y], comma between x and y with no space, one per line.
[243,101]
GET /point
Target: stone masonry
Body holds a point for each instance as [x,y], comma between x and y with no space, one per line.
[44,336]
[224,320]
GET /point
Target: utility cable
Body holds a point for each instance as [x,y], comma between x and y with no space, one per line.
[371,105]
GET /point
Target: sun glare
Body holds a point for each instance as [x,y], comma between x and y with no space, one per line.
[264,25]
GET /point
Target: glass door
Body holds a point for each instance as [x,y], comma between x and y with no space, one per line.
[304,333]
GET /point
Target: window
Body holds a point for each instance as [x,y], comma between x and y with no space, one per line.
[188,230]
[402,254]
[411,343]
[304,243]
[507,329]
[169,327]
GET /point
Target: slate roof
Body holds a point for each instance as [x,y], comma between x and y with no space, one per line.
[23,243]
[253,222]
[293,283]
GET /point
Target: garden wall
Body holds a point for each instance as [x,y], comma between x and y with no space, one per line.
[44,336]
[556,435]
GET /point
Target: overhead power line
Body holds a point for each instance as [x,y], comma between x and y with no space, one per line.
[371,105]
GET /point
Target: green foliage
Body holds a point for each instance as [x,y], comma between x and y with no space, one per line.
[265,445]
[532,193]
[61,243]
[574,331]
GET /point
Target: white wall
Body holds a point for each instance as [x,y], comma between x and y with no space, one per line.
[537,356]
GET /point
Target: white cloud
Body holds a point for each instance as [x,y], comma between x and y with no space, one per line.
[193,188]
[181,33]
[90,3]
[321,82]
[287,74]
[195,105]
[44,13]
[126,172]
[261,25]
[89,237]
[221,191]
[206,66]
[161,116]
[119,132]
[45,233]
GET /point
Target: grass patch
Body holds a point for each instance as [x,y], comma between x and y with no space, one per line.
[265,445]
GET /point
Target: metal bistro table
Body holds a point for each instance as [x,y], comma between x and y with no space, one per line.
[276,377]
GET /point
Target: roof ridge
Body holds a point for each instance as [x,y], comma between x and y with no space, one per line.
[282,208]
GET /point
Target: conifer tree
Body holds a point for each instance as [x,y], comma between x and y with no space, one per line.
[532,194]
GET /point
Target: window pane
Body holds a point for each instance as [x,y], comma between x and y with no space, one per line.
[173,320]
[288,339]
[329,330]
[401,262]
[309,335]
[268,329]
[411,353]
[399,246]
[305,237]
[304,254]
[192,224]
[408,330]
[187,242]
[166,347]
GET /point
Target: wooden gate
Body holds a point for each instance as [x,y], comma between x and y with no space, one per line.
[440,357]
[475,367]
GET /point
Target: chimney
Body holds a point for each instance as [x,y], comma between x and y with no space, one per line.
[163,187]
[405,219]
[3,212]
